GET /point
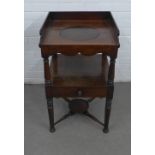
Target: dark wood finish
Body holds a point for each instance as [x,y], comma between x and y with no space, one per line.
[109,96]
[78,106]
[79,74]
[51,113]
[69,37]
[102,23]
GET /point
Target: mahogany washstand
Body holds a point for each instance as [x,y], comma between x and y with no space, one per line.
[78,44]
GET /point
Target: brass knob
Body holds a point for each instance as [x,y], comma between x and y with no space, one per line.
[80,93]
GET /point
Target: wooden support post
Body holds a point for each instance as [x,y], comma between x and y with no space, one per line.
[109,96]
[48,84]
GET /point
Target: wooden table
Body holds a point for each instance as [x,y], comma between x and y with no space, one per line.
[79,71]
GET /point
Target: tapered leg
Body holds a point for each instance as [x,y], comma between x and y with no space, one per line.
[109,96]
[107,115]
[51,113]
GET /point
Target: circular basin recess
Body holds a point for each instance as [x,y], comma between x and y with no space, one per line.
[79,33]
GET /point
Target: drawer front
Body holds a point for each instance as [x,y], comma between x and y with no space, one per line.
[77,92]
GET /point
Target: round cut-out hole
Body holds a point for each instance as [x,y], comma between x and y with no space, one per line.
[79,33]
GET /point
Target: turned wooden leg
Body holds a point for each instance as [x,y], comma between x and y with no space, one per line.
[48,84]
[51,114]
[109,96]
[107,115]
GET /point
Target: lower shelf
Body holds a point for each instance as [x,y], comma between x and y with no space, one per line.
[79,76]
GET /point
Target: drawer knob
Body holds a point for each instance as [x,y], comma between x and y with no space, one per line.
[80,93]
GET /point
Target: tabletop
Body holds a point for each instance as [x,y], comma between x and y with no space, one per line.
[73,32]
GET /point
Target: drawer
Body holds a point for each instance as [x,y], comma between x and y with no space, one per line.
[76,92]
